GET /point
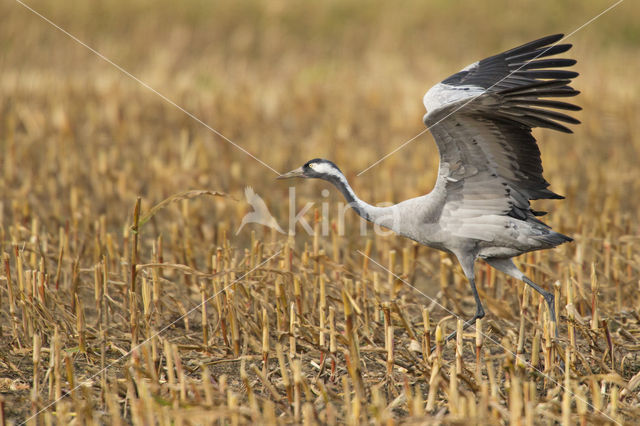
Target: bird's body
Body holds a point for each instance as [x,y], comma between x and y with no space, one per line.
[490,167]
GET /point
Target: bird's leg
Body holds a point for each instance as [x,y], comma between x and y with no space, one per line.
[507,266]
[549,298]
[467,261]
[479,310]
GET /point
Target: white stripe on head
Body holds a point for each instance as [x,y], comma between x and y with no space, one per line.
[326,169]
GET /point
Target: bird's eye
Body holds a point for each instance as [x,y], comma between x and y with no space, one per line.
[312,165]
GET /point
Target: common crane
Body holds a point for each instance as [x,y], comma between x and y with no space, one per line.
[490,167]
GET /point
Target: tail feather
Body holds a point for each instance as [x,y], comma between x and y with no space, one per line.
[547,236]
[553,238]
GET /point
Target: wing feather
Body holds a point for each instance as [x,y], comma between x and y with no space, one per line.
[482,118]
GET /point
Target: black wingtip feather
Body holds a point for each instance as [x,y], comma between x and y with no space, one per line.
[540,53]
[546,84]
[543,63]
[533,45]
[555,74]
[554,37]
[532,121]
[554,115]
[556,93]
[544,103]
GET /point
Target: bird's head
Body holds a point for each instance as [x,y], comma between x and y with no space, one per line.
[317,168]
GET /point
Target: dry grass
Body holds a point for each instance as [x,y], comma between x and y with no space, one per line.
[102,313]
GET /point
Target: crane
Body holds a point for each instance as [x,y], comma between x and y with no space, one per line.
[490,168]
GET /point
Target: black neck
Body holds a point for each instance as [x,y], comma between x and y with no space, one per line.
[361,208]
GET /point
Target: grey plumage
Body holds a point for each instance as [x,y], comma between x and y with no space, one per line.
[490,168]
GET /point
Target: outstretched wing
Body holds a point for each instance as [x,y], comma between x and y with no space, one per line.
[481,119]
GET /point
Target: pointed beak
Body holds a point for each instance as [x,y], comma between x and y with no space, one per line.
[297,173]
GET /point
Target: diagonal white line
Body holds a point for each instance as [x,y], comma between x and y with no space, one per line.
[494,341]
[146,340]
[489,88]
[403,145]
[593,19]
[142,83]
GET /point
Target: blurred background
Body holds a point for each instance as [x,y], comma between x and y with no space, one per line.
[287,81]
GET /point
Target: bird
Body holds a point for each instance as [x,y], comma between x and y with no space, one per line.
[490,168]
[260,213]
